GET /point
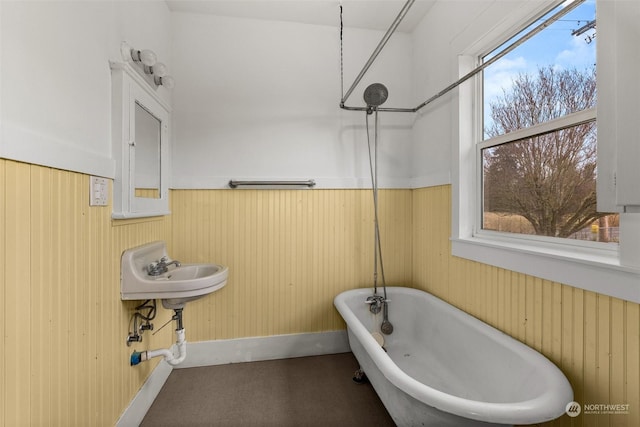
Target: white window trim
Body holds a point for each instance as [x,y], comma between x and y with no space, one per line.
[567,121]
[592,267]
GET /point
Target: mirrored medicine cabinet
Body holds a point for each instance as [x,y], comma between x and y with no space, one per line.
[141,130]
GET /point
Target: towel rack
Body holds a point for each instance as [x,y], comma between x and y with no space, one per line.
[309,183]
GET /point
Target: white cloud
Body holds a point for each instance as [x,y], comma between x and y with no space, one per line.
[501,74]
[580,53]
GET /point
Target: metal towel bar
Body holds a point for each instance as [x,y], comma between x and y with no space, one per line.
[308,183]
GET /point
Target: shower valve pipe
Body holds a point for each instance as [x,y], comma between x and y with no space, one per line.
[181,343]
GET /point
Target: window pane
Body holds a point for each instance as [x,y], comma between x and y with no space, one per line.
[546,185]
[530,78]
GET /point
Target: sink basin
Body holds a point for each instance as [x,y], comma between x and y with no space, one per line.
[175,287]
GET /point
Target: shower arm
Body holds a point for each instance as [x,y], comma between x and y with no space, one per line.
[568,8]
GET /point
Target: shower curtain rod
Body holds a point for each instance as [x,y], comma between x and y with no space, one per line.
[378,49]
[569,7]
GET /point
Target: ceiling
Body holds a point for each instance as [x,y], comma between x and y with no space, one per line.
[369,14]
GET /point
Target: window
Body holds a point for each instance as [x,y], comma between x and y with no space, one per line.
[538,154]
[526,166]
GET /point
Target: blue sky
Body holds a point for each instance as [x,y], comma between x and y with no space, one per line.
[554,46]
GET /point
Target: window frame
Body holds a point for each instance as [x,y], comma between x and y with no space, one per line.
[591,266]
[567,121]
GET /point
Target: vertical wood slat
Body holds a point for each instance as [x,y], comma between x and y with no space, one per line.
[16,265]
[617,315]
[41,330]
[3,287]
[632,359]
[578,343]
[60,273]
[590,353]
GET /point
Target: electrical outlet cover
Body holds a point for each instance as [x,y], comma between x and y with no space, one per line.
[99,191]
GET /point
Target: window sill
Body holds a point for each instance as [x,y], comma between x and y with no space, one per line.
[592,269]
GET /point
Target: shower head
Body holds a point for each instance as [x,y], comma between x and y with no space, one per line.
[375,95]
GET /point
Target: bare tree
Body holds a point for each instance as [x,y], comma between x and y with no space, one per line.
[548,179]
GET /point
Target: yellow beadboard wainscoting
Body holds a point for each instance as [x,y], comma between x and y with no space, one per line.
[593,338]
[289,252]
[64,361]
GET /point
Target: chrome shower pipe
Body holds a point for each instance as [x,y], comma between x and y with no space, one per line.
[377,51]
[569,7]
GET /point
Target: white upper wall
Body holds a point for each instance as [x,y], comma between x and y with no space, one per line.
[258,99]
[55,82]
[253,99]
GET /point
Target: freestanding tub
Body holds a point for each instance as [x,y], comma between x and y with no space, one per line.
[443,367]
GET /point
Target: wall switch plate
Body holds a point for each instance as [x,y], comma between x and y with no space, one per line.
[98,191]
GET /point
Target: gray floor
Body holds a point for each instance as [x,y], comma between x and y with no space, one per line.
[305,391]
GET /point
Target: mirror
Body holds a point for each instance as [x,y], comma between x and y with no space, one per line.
[146,171]
[141,145]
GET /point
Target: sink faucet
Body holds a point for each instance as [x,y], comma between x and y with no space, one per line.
[161,266]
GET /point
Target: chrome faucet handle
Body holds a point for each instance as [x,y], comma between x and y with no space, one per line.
[375,303]
[155,268]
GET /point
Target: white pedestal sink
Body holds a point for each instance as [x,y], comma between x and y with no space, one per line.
[176,286]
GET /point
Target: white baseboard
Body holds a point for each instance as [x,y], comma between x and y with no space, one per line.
[220,352]
[134,414]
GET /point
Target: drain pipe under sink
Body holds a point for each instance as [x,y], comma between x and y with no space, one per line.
[169,357]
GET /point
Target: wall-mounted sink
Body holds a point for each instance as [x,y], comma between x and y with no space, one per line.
[176,286]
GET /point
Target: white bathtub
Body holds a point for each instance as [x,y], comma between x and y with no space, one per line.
[443,367]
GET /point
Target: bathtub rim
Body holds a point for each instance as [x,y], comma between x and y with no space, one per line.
[544,407]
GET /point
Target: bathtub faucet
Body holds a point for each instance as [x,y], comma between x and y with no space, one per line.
[375,303]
